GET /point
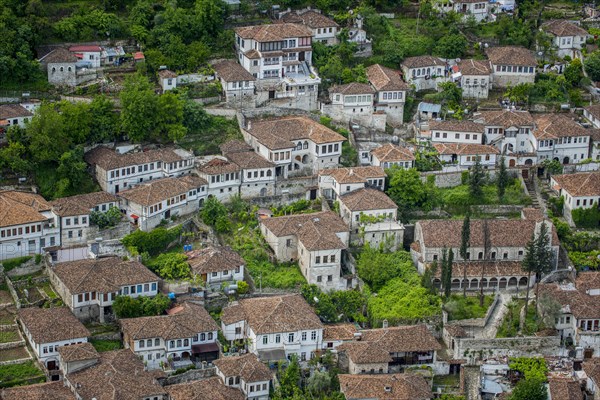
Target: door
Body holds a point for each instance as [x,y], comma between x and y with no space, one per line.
[116,188]
[167,214]
[271,94]
[302,56]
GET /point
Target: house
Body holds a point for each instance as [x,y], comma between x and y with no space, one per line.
[567,38]
[77,356]
[246,373]
[318,241]
[464,156]
[579,190]
[238,84]
[353,102]
[467,8]
[391,92]
[275,327]
[65,69]
[89,287]
[223,177]
[394,386]
[14,114]
[475,78]
[187,332]
[460,132]
[324,29]
[73,215]
[423,72]
[338,181]
[139,57]
[564,388]
[591,367]
[89,53]
[148,204]
[205,389]
[279,56]
[167,79]
[595,144]
[47,329]
[390,155]
[558,137]
[356,34]
[592,114]
[216,264]
[428,111]
[512,65]
[373,218]
[27,224]
[111,55]
[296,145]
[257,173]
[117,171]
[39,391]
[337,334]
[389,350]
[492,275]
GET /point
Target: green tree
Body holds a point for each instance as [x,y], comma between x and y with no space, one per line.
[574,72]
[139,108]
[465,239]
[408,190]
[502,180]
[156,305]
[318,383]
[451,46]
[476,179]
[171,266]
[213,210]
[71,171]
[529,389]
[127,307]
[592,66]
[290,378]
[105,121]
[538,258]
[108,218]
[449,266]
[47,135]
[520,93]
[12,157]
[377,267]
[552,167]
[170,117]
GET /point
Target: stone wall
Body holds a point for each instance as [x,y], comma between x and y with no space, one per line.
[191,375]
[474,350]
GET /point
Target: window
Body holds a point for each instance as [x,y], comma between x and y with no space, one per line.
[332,258]
[186,342]
[178,342]
[157,342]
[278,338]
[313,335]
[265,339]
[238,330]
[329,278]
[142,344]
[290,337]
[318,260]
[304,335]
[319,279]
[171,344]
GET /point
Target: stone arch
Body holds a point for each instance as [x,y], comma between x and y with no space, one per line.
[474,284]
[565,160]
[305,159]
[437,283]
[502,283]
[529,161]
[512,282]
[484,283]
[456,284]
[263,192]
[493,283]
[512,163]
[523,281]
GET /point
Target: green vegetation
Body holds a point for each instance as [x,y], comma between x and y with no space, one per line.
[20,374]
[102,345]
[152,242]
[459,198]
[588,218]
[170,266]
[13,263]
[409,192]
[349,157]
[9,334]
[106,219]
[533,371]
[336,306]
[129,307]
[459,307]
[510,323]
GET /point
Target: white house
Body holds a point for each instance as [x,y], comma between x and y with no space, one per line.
[568,38]
[390,155]
[167,79]
[187,332]
[216,264]
[467,8]
[14,114]
[453,131]
[223,177]
[89,287]
[352,102]
[238,84]
[91,54]
[324,29]
[475,78]
[61,66]
[247,373]
[512,65]
[147,204]
[336,334]
[338,181]
[391,92]
[257,173]
[466,155]
[27,224]
[274,328]
[579,190]
[318,241]
[423,72]
[47,329]
[592,114]
[558,137]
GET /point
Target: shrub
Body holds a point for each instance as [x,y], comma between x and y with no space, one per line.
[171,266]
[151,242]
[109,218]
[243,287]
[586,217]
[15,262]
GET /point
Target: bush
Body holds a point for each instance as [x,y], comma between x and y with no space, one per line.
[129,307]
[243,287]
[459,307]
[109,218]
[171,266]
[15,262]
[586,217]
[151,242]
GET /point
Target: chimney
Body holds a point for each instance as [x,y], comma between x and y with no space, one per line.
[249,125]
[388,389]
[357,336]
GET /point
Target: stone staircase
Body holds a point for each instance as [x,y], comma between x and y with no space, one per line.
[535,202]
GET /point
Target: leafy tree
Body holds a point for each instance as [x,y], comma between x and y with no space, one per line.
[108,218]
[105,121]
[451,46]
[465,236]
[47,135]
[538,258]
[574,72]
[502,180]
[290,378]
[519,93]
[12,157]
[529,389]
[376,267]
[213,211]
[450,94]
[449,265]
[408,190]
[129,307]
[476,180]
[156,305]
[552,167]
[72,171]
[171,266]
[319,382]
[151,242]
[139,108]
[170,117]
[428,276]
[531,367]
[592,66]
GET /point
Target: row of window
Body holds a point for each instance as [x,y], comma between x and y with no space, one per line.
[514,68]
[475,81]
[104,207]
[426,71]
[177,164]
[376,215]
[262,173]
[257,388]
[133,289]
[324,30]
[54,348]
[475,158]
[404,164]
[331,148]
[225,177]
[444,135]
[358,99]
[280,155]
[225,273]
[480,255]
[392,95]
[70,234]
[291,337]
[131,170]
[300,145]
[589,325]
[19,231]
[241,84]
[320,278]
[176,199]
[155,208]
[326,259]
[584,202]
[75,221]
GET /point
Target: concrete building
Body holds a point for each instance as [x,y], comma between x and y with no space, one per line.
[464,156]
[467,8]
[567,38]
[205,389]
[339,181]
[237,83]
[424,72]
[458,132]
[246,373]
[390,155]
[324,29]
[475,78]
[579,190]
[223,177]
[65,69]
[89,53]
[216,265]
[512,65]
[592,114]
[335,335]
[14,114]
[391,92]
[353,102]
[257,173]
[558,137]
[167,79]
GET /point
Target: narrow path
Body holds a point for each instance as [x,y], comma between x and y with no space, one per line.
[489,331]
[472,383]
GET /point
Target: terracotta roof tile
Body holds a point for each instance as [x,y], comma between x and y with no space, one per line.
[511,55]
[310,18]
[48,325]
[565,389]
[594,110]
[384,78]
[588,280]
[81,204]
[235,146]
[214,259]
[248,367]
[475,67]
[579,184]
[353,174]
[492,269]
[155,191]
[274,32]
[392,153]
[206,389]
[421,61]
[232,71]
[218,166]
[553,126]
[13,111]
[41,391]
[457,126]
[60,56]
[592,369]
[464,148]
[108,159]
[85,48]
[166,74]
[456,331]
[505,118]
[249,160]
[18,208]
[385,387]
[78,352]
[581,304]
[367,199]
[352,88]
[563,28]
[339,332]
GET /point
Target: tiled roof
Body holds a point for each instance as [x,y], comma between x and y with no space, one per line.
[218,166]
[40,391]
[456,126]
[235,146]
[339,332]
[465,148]
[81,204]
[392,153]
[456,331]
[104,275]
[511,55]
[594,110]
[352,88]
[565,389]
[353,174]
[249,160]
[592,369]
[166,74]
[108,159]
[310,18]
[581,304]
[505,118]
[421,61]
[13,111]
[367,199]
[385,387]
[563,28]
[274,32]
[475,67]
[588,280]
[579,184]
[384,78]
[60,56]
[533,214]
[21,208]
[78,352]
[206,389]
[48,325]
[232,71]
[119,375]
[248,367]
[492,269]
[287,313]
[85,48]
[553,126]
[188,322]
[214,259]
[252,54]
[155,191]
[503,233]
[279,133]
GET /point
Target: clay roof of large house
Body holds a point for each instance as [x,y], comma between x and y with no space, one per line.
[367,199]
[47,325]
[60,56]
[232,71]
[385,387]
[155,191]
[119,375]
[310,18]
[352,88]
[190,320]
[108,159]
[392,153]
[205,389]
[475,67]
[316,231]
[592,369]
[235,146]
[249,160]
[81,204]
[505,118]
[78,352]
[594,109]
[563,27]
[587,280]
[353,174]
[85,48]
[14,111]
[511,55]
[491,269]
[339,332]
[218,166]
[553,126]
[565,389]
[421,61]
[581,304]
[104,275]
[579,184]
[384,78]
[456,330]
[465,148]
[279,133]
[248,367]
[456,126]
[273,32]
[18,208]
[503,233]
[375,345]
[277,314]
[214,259]
[41,391]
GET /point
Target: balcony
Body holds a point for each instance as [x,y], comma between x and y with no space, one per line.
[305,75]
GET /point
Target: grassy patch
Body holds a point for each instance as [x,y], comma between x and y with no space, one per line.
[20,374]
[9,334]
[47,288]
[5,296]
[510,323]
[98,329]
[7,317]
[459,307]
[26,277]
[13,263]
[16,353]
[106,345]
[208,141]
